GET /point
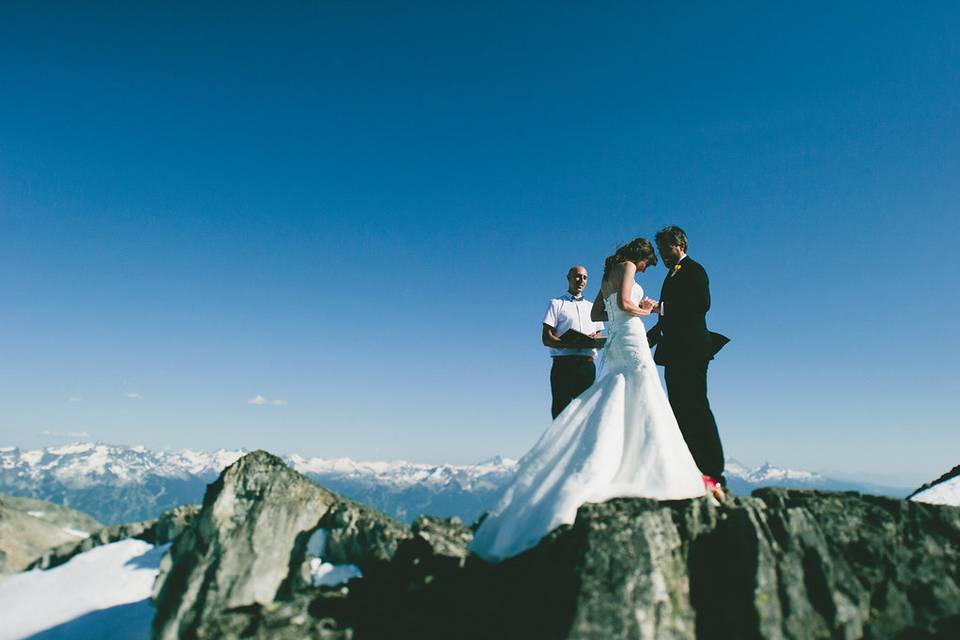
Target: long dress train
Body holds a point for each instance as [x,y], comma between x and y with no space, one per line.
[619,438]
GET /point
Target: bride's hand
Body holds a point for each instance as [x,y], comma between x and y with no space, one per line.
[647,304]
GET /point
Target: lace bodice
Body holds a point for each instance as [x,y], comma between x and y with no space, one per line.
[627,345]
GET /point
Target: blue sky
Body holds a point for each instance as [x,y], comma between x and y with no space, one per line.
[359,211]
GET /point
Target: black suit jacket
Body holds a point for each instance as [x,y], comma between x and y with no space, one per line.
[681,333]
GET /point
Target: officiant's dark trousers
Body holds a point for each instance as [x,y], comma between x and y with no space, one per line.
[569,377]
[687,389]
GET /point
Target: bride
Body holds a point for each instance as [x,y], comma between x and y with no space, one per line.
[619,438]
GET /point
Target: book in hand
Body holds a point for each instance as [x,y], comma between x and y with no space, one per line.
[573,339]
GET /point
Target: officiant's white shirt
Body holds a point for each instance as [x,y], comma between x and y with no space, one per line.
[565,313]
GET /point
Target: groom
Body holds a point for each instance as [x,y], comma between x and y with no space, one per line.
[685,348]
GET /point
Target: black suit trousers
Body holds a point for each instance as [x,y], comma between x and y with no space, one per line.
[569,377]
[687,389]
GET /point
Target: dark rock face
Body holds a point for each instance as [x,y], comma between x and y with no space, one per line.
[415,593]
[157,531]
[781,564]
[359,535]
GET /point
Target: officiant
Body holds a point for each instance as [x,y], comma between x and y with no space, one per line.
[568,332]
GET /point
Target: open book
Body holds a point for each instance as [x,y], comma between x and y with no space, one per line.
[573,339]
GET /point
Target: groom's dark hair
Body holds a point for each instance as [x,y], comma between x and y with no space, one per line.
[672,237]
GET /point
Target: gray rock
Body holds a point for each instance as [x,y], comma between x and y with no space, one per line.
[359,535]
[446,538]
[246,550]
[29,528]
[632,573]
[782,564]
[158,531]
[436,549]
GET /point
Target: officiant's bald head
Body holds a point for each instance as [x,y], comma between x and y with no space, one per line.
[577,280]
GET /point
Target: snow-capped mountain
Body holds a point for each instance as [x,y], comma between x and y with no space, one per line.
[766,474]
[742,480]
[112,483]
[943,490]
[122,484]
[85,464]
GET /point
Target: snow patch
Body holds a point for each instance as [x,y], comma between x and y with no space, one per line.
[325,574]
[32,457]
[767,473]
[103,593]
[68,449]
[946,492]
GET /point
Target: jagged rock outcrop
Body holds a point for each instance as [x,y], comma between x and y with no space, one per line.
[248,546]
[158,531]
[28,528]
[400,597]
[780,564]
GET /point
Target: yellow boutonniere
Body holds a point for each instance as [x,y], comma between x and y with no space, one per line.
[676,267]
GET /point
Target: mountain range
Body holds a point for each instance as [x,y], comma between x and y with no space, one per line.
[116,484]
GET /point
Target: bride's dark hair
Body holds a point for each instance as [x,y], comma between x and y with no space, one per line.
[635,250]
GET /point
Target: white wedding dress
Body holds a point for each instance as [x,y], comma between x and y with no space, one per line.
[619,438]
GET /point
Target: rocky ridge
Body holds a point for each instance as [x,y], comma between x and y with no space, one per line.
[780,564]
[28,528]
[157,531]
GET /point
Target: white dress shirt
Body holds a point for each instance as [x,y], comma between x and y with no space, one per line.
[565,313]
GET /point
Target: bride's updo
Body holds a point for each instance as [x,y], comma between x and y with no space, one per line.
[634,251]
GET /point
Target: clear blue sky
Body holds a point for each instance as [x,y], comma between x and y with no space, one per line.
[361,209]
